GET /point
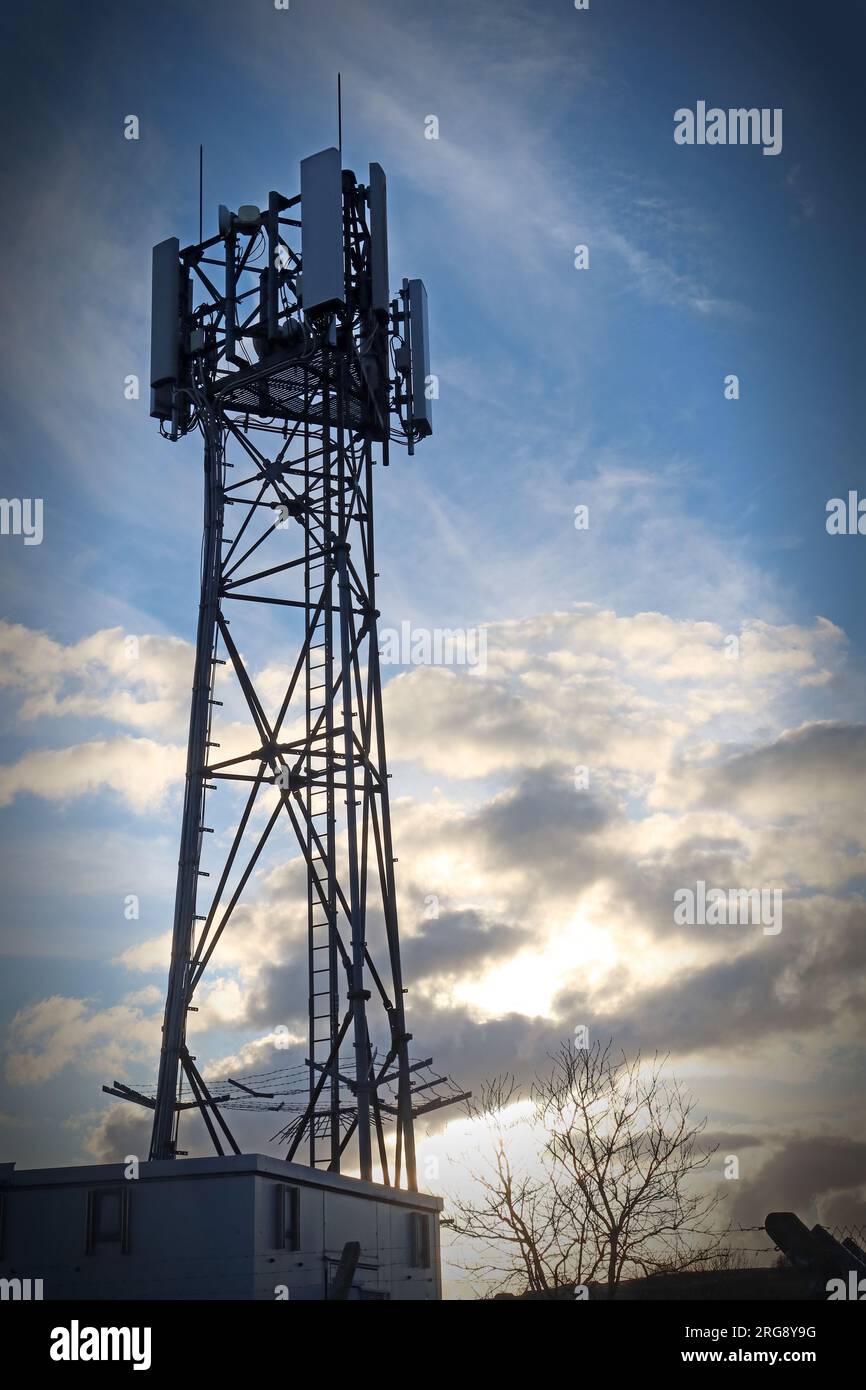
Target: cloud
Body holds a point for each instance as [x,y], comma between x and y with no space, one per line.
[594,687]
[138,770]
[141,682]
[554,895]
[722,1139]
[555,900]
[122,1131]
[459,941]
[819,765]
[59,1032]
[807,980]
[820,1177]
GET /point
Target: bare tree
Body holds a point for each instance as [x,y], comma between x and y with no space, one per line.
[608,1190]
[523,1235]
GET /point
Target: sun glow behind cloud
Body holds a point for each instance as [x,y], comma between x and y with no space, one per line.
[529,983]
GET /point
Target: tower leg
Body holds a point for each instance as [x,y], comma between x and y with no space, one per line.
[163,1138]
[358,995]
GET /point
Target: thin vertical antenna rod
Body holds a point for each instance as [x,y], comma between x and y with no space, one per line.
[340,112]
[200,189]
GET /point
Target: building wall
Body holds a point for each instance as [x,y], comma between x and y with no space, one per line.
[208,1228]
[328,1220]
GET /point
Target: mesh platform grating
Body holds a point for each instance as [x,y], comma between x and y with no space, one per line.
[279,391]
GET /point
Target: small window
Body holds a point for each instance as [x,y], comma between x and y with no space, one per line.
[421,1234]
[288,1217]
[108,1218]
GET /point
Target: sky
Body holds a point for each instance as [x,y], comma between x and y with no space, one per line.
[697,648]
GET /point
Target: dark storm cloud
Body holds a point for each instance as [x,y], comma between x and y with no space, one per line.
[846,1209]
[803,1172]
[456,942]
[733,1143]
[545,842]
[555,842]
[825,761]
[545,836]
[541,818]
[279,995]
[808,977]
[471,1052]
[452,944]
[125,1131]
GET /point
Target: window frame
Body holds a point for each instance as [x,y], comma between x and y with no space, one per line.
[95,1235]
[288,1216]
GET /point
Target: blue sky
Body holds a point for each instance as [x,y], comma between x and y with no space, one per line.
[559,387]
[535,104]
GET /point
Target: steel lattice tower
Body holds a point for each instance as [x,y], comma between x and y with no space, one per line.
[286,370]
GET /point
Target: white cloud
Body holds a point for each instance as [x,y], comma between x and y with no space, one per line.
[55,1033]
[141,682]
[138,770]
[590,687]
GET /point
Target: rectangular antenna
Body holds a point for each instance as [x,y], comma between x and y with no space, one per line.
[165,312]
[379,238]
[322,231]
[422,406]
[164,325]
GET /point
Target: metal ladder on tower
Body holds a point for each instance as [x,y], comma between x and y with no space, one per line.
[324,1020]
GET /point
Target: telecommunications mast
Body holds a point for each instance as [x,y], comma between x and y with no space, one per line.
[278,340]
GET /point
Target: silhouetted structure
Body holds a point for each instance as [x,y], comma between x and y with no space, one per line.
[298,369]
